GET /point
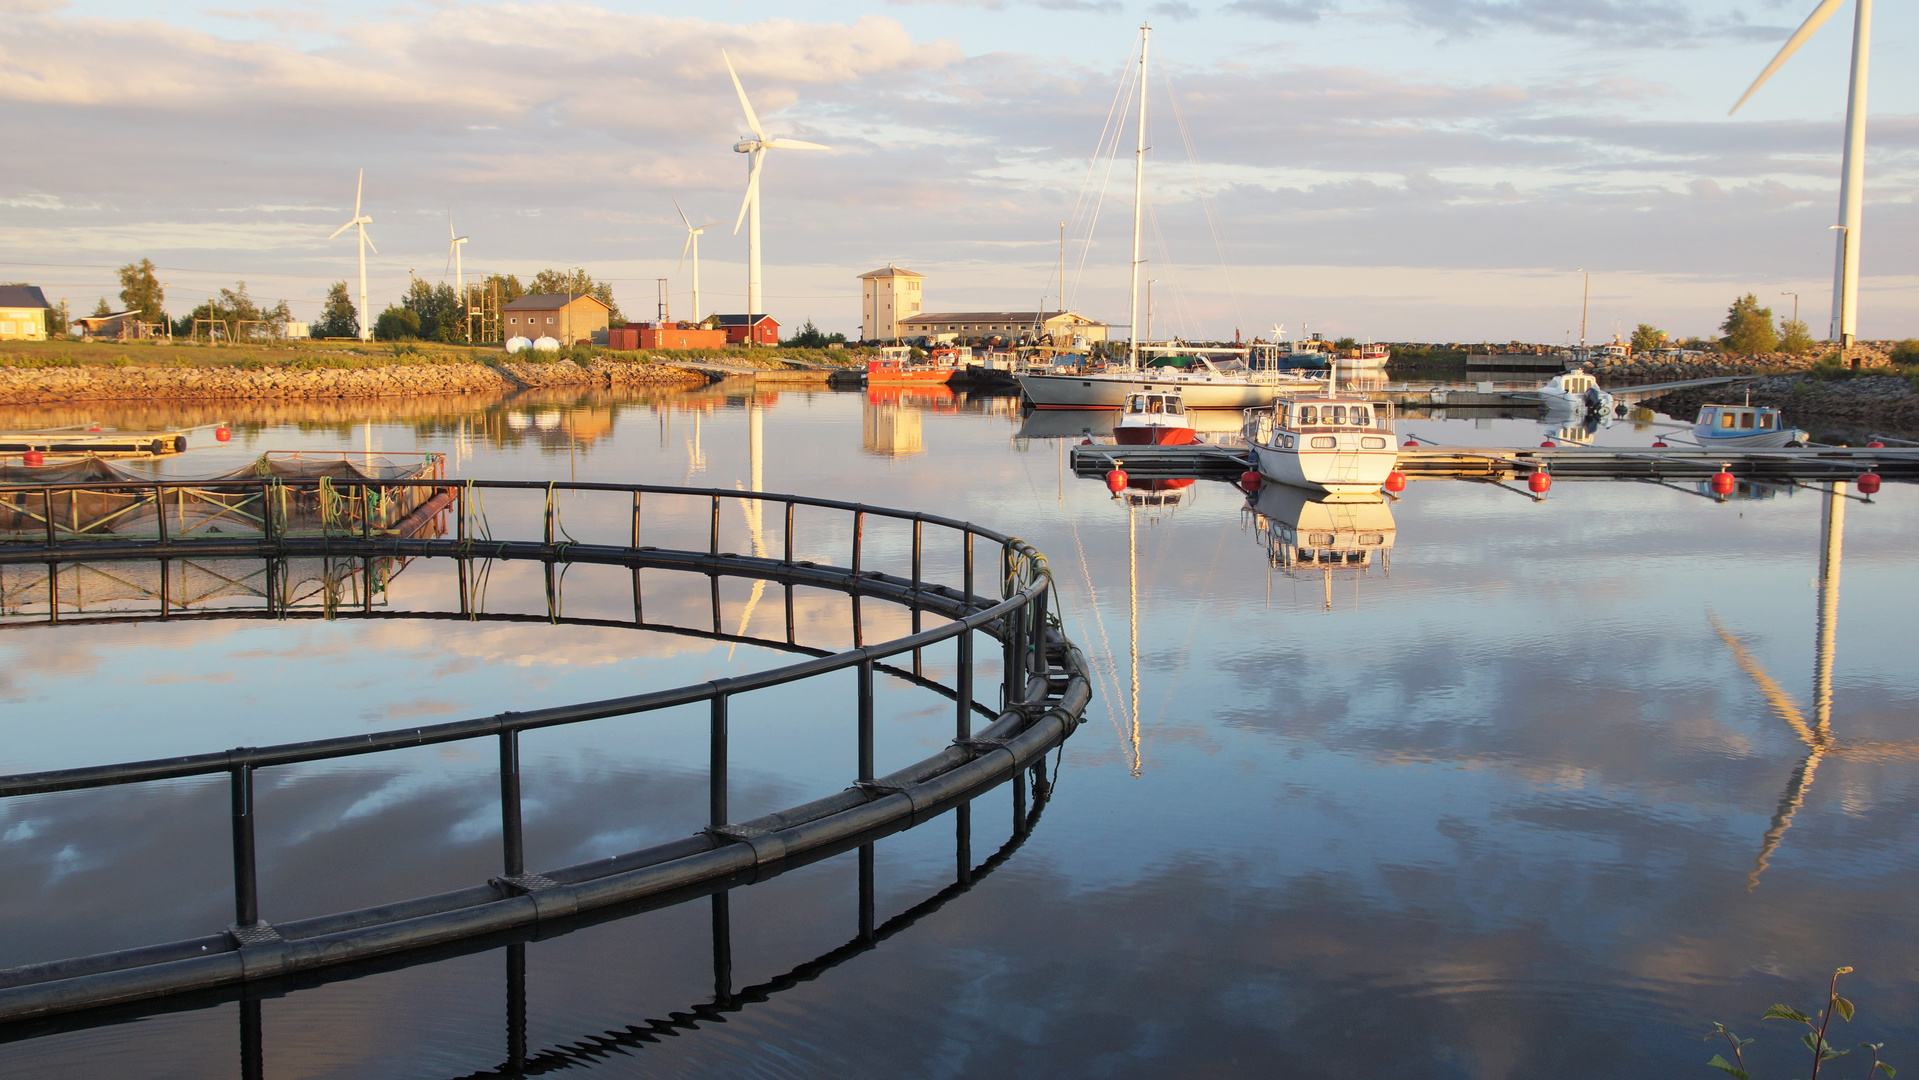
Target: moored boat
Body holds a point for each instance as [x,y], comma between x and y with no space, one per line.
[1155,418]
[1747,426]
[1341,444]
[1577,393]
[895,364]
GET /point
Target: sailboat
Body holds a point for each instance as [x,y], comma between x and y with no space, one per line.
[1214,379]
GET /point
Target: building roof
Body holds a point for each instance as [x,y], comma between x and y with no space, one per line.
[548,301]
[1016,318]
[86,320]
[740,320]
[889,272]
[18,296]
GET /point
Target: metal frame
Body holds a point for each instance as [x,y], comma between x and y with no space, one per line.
[1045,694]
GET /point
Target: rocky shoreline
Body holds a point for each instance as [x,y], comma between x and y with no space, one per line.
[1840,406]
[38,385]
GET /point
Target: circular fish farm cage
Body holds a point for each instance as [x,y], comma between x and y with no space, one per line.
[323,547]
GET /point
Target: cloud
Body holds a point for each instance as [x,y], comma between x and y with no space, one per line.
[1177,10]
[1280,10]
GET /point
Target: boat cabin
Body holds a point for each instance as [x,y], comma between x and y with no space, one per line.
[1316,413]
[1576,383]
[1737,419]
[1154,404]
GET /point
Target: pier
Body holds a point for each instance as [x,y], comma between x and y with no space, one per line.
[1227,462]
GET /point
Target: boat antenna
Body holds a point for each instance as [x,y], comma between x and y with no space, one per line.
[1139,199]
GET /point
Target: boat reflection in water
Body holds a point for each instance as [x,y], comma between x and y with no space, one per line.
[1218,427]
[1153,500]
[1306,536]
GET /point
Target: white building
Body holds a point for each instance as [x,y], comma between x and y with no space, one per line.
[886,297]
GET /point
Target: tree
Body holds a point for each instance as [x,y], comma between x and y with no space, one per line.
[437,310]
[1346,344]
[396,324]
[812,337]
[1748,327]
[233,307]
[575,282]
[140,291]
[101,308]
[59,320]
[509,285]
[1906,352]
[1647,337]
[337,317]
[1795,338]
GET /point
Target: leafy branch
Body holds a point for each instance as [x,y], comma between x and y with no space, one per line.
[1814,1039]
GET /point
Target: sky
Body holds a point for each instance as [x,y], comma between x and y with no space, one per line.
[1432,170]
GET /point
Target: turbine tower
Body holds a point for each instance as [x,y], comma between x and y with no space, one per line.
[693,244]
[361,221]
[453,256]
[755,148]
[1845,276]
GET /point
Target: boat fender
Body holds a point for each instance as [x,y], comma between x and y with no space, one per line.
[1869,483]
[1540,482]
[1723,483]
[1249,480]
[1116,481]
[1395,481]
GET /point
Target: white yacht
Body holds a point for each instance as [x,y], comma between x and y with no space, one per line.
[1217,379]
[1340,444]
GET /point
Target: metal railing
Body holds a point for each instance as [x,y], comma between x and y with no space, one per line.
[1044,694]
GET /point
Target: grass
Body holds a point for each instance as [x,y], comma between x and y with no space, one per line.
[339,355]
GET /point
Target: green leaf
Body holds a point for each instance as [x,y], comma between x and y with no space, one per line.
[1843,1007]
[1786,1012]
[1728,1068]
[1888,1068]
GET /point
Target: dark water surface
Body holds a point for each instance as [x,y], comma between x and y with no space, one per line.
[1495,805]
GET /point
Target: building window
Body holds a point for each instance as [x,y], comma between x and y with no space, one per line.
[549,320]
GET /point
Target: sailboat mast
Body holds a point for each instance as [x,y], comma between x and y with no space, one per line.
[1139,203]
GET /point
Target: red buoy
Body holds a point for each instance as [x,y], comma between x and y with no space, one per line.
[1659,444]
[1869,483]
[1249,480]
[1875,445]
[1723,483]
[1395,481]
[32,457]
[1086,442]
[222,433]
[1540,482]
[95,427]
[1412,442]
[1549,445]
[1116,481]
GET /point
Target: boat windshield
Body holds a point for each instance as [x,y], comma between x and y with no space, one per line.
[1335,415]
[1229,367]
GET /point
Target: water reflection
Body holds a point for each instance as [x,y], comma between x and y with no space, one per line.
[1305,537]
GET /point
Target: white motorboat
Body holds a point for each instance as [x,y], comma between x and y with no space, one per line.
[1340,444]
[1302,533]
[1576,393]
[1745,426]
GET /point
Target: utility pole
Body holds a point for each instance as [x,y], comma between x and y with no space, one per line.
[1795,304]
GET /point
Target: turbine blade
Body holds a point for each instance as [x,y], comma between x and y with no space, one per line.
[708,225]
[683,218]
[752,118]
[752,189]
[1806,29]
[344,228]
[684,248]
[450,234]
[368,240]
[795,144]
[358,186]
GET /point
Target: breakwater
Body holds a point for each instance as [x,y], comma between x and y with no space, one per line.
[38,385]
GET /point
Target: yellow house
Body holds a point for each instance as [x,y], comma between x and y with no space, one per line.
[886,297]
[23,313]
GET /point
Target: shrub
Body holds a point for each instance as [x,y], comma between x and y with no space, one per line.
[1906,352]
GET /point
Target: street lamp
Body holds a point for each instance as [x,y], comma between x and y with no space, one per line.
[1795,304]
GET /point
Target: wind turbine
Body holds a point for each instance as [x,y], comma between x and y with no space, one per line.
[693,244]
[1845,275]
[453,256]
[362,221]
[755,148]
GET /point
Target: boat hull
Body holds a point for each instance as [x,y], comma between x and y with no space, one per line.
[1145,435]
[885,377]
[1344,472]
[1108,391]
[1758,440]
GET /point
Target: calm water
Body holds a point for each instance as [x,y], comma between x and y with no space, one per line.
[1489,806]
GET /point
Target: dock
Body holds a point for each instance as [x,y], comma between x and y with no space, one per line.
[97,443]
[1226,462]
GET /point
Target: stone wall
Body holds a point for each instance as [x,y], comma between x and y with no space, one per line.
[23,386]
[1869,354]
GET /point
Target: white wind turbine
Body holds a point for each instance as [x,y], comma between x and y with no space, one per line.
[756,148]
[453,244]
[362,221]
[693,245]
[1845,277]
